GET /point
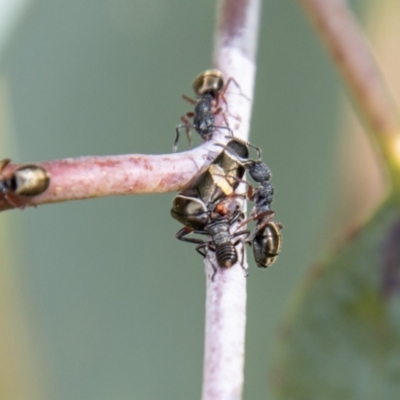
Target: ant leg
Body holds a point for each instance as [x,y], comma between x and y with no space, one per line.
[177,129]
[212,248]
[235,217]
[257,149]
[224,127]
[250,192]
[245,232]
[241,240]
[188,135]
[219,110]
[215,271]
[268,213]
[225,117]
[185,118]
[189,100]
[3,163]
[244,241]
[14,200]
[224,146]
[181,235]
[246,272]
[233,80]
[221,95]
[187,125]
[224,114]
[201,249]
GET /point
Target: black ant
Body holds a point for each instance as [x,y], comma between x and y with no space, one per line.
[266,239]
[209,86]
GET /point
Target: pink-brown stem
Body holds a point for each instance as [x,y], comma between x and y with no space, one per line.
[353,57]
[351,53]
[89,177]
[234,54]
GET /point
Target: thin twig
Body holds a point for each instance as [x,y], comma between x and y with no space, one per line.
[235,48]
[353,57]
[89,177]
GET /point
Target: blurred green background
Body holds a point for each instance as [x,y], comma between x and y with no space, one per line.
[109,303]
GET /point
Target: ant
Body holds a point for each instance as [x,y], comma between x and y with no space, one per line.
[209,86]
[266,239]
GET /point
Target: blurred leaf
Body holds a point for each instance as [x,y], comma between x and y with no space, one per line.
[12,19]
[342,339]
[20,366]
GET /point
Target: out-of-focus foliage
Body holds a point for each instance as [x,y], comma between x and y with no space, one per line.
[341,340]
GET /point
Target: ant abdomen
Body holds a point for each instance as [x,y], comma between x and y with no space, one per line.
[226,255]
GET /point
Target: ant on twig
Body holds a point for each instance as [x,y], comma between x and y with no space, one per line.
[210,87]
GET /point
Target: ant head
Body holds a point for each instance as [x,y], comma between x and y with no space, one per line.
[210,81]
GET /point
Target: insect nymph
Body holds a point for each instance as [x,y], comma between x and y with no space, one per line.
[208,205]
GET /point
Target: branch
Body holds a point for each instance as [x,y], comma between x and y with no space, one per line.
[353,57]
[234,55]
[89,177]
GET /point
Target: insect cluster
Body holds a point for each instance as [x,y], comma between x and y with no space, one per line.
[23,183]
[209,204]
